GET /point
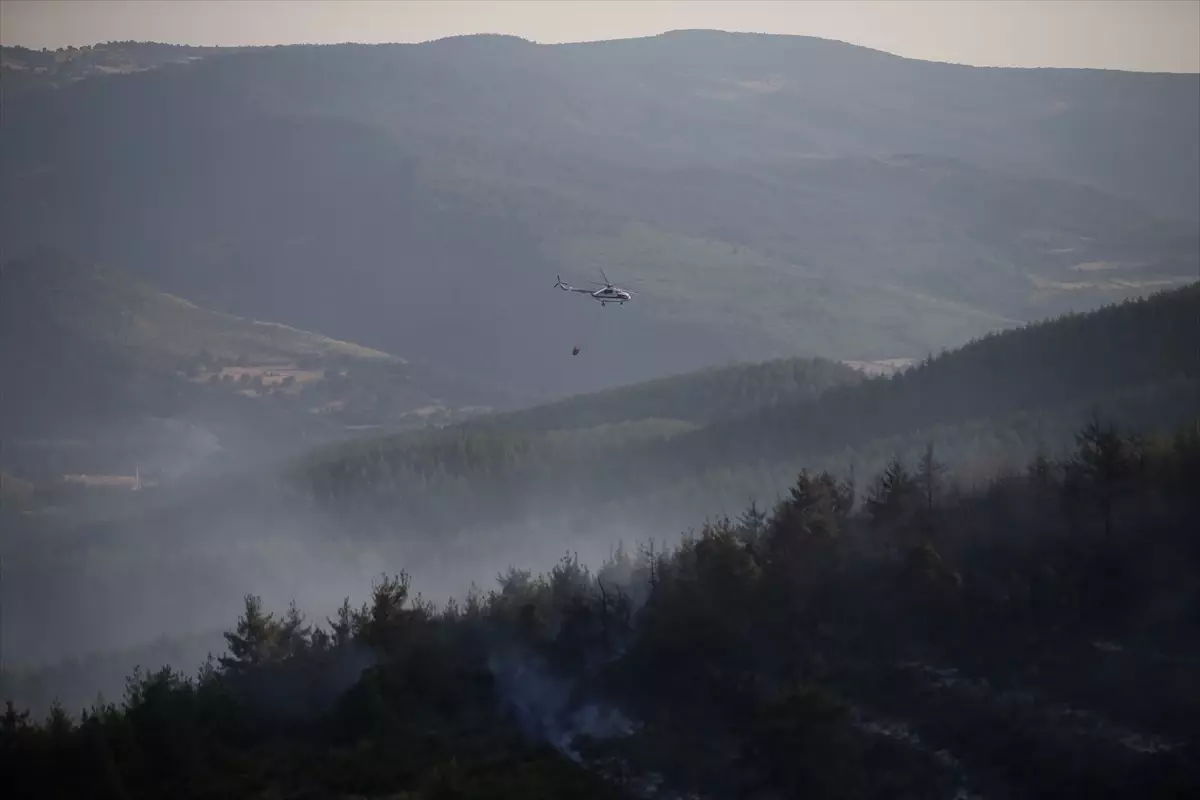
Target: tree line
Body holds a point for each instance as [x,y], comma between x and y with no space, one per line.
[1005,395]
[895,636]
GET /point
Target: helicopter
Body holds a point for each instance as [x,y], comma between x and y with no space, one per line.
[606,294]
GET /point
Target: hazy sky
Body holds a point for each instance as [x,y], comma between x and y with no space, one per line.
[1162,35]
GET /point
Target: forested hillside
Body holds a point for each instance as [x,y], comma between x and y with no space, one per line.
[1071,359]
[458,503]
[695,397]
[974,573]
[772,196]
[1002,397]
[1032,638]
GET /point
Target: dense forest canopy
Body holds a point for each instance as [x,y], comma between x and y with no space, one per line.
[1030,638]
[697,397]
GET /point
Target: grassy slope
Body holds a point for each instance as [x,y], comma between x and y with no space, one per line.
[87,349]
[106,305]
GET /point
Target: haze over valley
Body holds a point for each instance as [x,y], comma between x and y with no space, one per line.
[911,357]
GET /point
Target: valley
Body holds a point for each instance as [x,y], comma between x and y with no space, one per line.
[880,485]
[457,504]
[106,373]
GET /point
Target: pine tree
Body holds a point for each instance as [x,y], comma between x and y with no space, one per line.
[294,636]
[752,521]
[895,498]
[929,477]
[255,638]
[1104,460]
[344,628]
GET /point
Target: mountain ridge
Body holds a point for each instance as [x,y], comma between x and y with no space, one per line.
[348,188]
[20,54]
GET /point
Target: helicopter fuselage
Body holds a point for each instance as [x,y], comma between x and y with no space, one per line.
[606,294]
[611,295]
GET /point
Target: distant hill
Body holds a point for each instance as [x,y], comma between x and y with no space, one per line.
[768,196]
[87,352]
[912,237]
[23,69]
[1075,359]
[695,398]
[997,400]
